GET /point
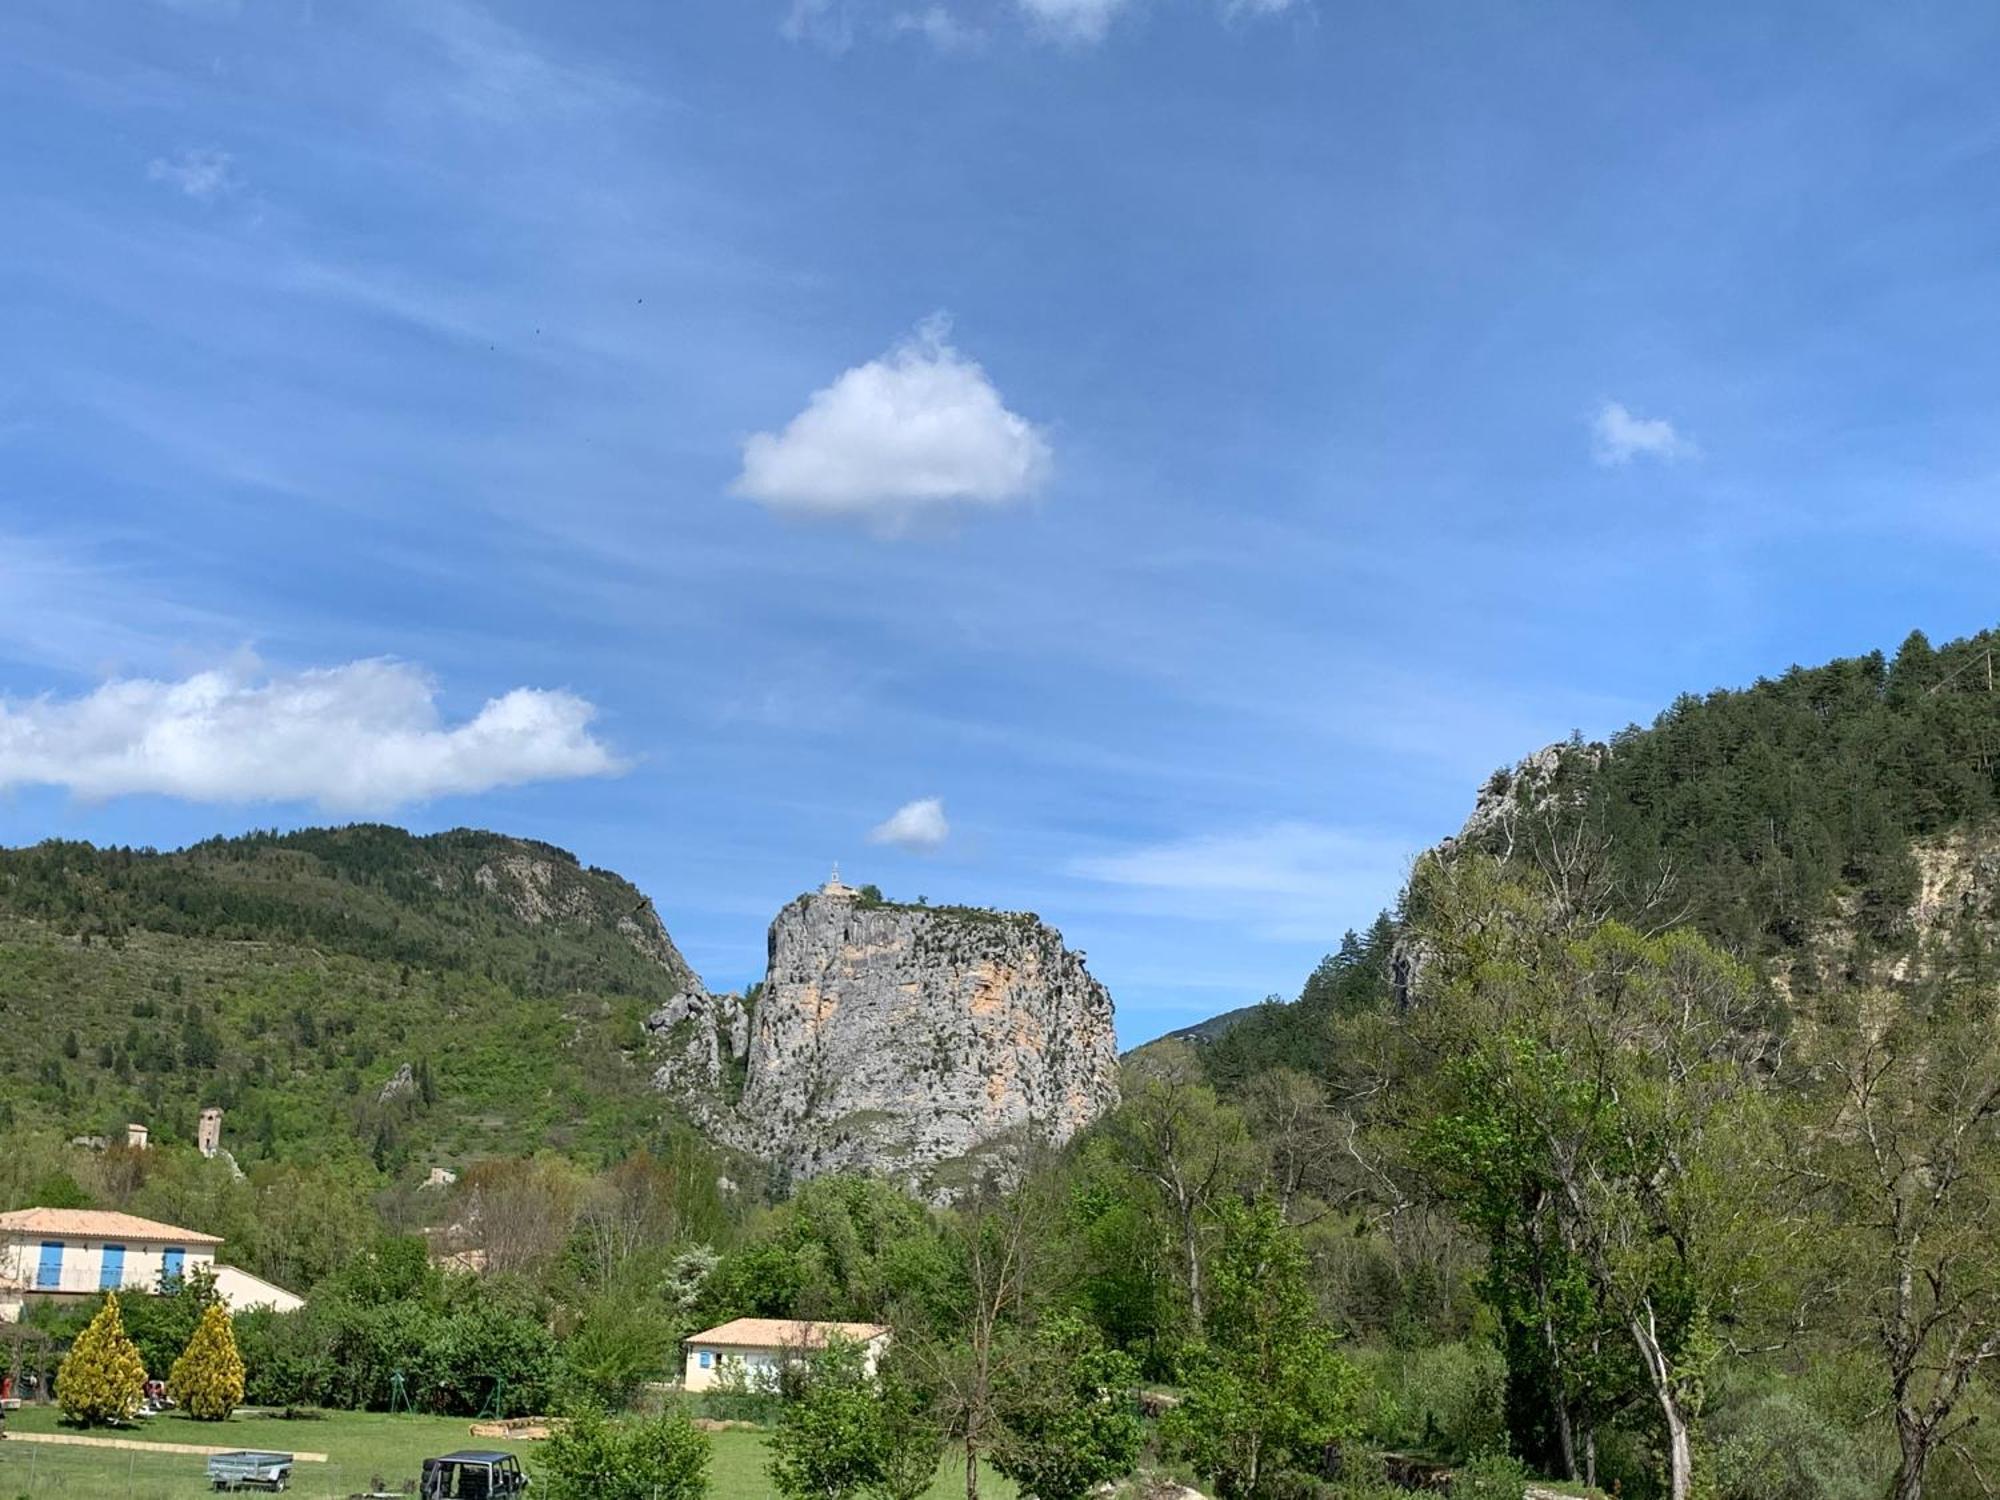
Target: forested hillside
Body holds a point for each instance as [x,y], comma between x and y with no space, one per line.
[288,978]
[1689,1041]
[1801,823]
[1652,1143]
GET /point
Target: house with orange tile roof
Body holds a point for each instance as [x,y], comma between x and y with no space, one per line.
[70,1253]
[754,1350]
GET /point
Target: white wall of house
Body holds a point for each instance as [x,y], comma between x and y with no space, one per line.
[240,1291]
[81,1264]
[711,1365]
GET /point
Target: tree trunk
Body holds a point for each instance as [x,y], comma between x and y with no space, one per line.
[1590,1457]
[1680,1442]
[971,1472]
[1680,1452]
[1191,1252]
[1565,1438]
[1914,1439]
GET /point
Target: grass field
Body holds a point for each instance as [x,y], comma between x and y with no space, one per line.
[361,1446]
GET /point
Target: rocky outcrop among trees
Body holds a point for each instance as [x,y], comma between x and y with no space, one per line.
[905,1040]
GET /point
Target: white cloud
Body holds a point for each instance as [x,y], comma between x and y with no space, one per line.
[1618,437]
[920,431]
[1294,881]
[1072,20]
[918,826]
[941,29]
[201,172]
[966,25]
[821,22]
[501,74]
[364,737]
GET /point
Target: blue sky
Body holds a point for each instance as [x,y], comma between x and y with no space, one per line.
[1142,461]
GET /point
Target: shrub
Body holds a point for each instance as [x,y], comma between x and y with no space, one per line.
[658,1458]
[1444,1401]
[619,1344]
[1070,1421]
[207,1380]
[828,1441]
[1777,1446]
[102,1379]
[1493,1476]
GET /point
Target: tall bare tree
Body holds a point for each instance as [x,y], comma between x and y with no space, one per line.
[1904,1161]
[998,1229]
[1174,1133]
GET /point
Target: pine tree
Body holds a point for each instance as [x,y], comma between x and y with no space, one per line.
[207,1380]
[101,1379]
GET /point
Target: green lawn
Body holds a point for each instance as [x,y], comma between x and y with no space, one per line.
[361,1446]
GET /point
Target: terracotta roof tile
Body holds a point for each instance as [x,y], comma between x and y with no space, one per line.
[92,1223]
[784,1333]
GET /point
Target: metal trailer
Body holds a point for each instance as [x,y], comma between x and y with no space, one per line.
[249,1470]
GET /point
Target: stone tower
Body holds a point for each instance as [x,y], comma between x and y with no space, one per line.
[208,1135]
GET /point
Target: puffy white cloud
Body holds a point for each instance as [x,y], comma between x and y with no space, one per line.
[1285,880]
[364,737]
[918,826]
[1072,20]
[202,173]
[920,431]
[1618,437]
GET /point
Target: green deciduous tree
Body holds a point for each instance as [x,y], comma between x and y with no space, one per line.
[207,1380]
[1613,1083]
[1069,1419]
[656,1458]
[828,1441]
[102,1379]
[1190,1148]
[1268,1391]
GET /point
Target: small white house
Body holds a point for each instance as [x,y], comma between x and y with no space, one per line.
[754,1350]
[78,1252]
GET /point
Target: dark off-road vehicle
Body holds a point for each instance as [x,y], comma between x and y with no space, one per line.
[472,1475]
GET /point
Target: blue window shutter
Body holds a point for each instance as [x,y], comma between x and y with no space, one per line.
[172,1262]
[49,1272]
[707,1359]
[112,1276]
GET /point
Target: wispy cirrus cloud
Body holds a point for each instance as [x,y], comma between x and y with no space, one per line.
[1288,881]
[202,173]
[964,25]
[1618,437]
[366,736]
[921,431]
[499,73]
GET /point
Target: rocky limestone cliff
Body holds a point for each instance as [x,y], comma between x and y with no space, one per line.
[1547,778]
[538,884]
[896,1039]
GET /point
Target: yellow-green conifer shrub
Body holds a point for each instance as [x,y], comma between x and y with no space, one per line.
[101,1380]
[207,1380]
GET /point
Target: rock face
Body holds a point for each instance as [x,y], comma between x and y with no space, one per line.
[538,884]
[1546,777]
[895,1039]
[401,1085]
